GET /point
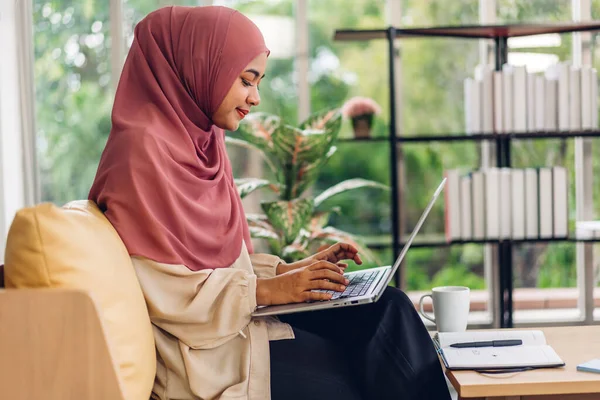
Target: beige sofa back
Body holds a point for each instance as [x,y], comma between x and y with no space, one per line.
[76,247]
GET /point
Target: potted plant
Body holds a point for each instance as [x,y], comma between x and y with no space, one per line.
[295,225]
[361,111]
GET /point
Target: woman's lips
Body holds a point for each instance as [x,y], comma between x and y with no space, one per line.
[241,113]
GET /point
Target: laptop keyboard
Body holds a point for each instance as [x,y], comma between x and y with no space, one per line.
[358,286]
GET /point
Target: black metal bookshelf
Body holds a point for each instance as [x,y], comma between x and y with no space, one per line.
[443,243]
[478,137]
[499,34]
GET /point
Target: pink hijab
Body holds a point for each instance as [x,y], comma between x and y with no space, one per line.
[164,179]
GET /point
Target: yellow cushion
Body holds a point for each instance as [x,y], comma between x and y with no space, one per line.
[77,247]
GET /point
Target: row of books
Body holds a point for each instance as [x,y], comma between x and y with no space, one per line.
[506,203]
[563,98]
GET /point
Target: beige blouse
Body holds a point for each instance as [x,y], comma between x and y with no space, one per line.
[208,346]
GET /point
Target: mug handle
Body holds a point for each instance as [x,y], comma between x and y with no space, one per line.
[421,311]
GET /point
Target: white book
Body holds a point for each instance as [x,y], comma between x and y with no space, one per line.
[466,209]
[586,97]
[587,229]
[476,109]
[483,74]
[560,192]
[575,99]
[551,100]
[531,204]
[492,205]
[564,72]
[546,224]
[452,204]
[540,101]
[594,98]
[505,205]
[478,202]
[520,98]
[517,192]
[507,93]
[533,352]
[531,102]
[498,103]
[468,96]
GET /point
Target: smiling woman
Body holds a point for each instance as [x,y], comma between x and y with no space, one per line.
[242,96]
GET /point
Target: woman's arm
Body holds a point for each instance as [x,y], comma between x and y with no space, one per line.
[265,265]
[209,307]
[202,308]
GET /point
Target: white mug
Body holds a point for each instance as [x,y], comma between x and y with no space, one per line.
[450,308]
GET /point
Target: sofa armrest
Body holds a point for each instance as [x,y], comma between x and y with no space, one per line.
[53,347]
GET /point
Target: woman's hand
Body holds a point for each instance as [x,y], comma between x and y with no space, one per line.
[297,285]
[334,254]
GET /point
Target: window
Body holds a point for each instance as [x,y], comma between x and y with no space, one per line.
[73,94]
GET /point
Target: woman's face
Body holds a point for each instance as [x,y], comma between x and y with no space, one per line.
[242,96]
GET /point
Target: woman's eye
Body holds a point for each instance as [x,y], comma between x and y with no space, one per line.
[246,83]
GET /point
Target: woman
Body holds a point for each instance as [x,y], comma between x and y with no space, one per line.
[165,183]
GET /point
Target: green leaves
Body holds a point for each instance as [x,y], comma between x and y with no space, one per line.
[295,155]
[346,185]
[245,186]
[288,217]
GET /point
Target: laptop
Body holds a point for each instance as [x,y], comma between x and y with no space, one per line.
[366,286]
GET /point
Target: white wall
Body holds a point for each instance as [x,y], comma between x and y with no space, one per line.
[12,192]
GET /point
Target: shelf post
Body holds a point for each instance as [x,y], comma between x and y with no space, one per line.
[505,261]
[395,198]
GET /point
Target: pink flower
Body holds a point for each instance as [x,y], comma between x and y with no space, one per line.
[360,106]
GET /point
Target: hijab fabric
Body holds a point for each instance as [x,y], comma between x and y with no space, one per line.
[164,180]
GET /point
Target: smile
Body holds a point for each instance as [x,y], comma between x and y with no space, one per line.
[241,113]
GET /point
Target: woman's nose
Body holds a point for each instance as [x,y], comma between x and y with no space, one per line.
[254,97]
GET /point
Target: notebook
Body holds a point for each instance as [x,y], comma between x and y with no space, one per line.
[534,352]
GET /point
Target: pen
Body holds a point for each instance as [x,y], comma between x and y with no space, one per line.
[489,343]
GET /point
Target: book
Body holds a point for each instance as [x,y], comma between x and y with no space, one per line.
[575,99]
[518,203]
[507,97]
[590,366]
[466,220]
[505,206]
[587,229]
[478,202]
[484,74]
[492,203]
[560,190]
[540,85]
[531,102]
[534,352]
[498,102]
[564,72]
[545,206]
[519,98]
[586,98]
[551,100]
[452,205]
[531,204]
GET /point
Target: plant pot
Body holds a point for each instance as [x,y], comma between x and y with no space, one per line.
[362,125]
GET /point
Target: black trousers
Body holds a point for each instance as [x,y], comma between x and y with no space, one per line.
[376,351]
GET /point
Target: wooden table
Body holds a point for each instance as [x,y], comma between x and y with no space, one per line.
[574,344]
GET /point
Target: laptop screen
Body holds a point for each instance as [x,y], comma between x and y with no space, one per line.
[415,231]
